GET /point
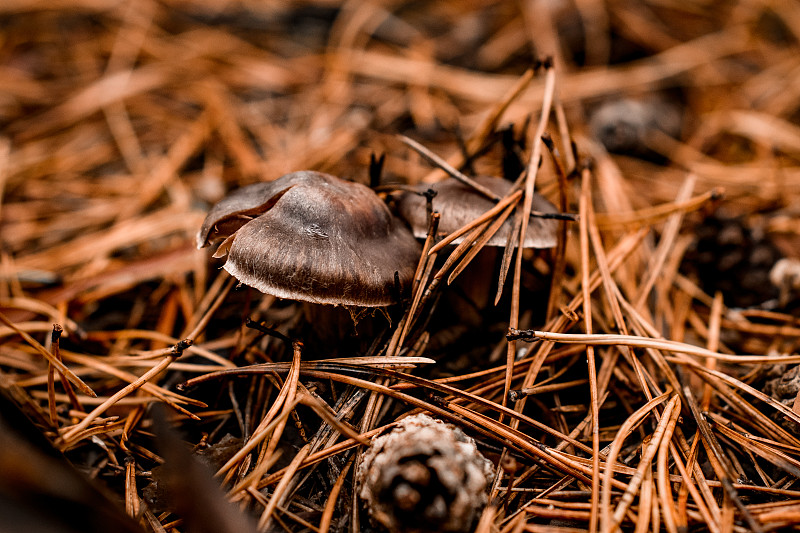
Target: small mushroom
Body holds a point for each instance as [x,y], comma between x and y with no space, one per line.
[459,204]
[313,237]
[785,276]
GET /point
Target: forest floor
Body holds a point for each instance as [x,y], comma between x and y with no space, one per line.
[653,385]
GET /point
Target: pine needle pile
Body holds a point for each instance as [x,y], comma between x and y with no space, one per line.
[641,375]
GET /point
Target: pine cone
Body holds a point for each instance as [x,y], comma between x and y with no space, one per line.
[785,389]
[424,476]
[730,257]
[623,124]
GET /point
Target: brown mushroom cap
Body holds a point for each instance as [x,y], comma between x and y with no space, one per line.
[313,237]
[460,204]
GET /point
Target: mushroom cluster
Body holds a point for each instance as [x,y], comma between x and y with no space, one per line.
[313,237]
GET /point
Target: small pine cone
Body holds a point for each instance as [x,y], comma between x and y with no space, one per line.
[785,389]
[786,386]
[623,124]
[424,476]
[735,259]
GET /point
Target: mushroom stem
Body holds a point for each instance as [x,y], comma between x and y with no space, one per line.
[332,331]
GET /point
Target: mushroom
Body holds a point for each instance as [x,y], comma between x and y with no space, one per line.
[785,276]
[313,237]
[459,204]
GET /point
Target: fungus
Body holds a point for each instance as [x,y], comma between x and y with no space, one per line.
[785,276]
[313,237]
[459,204]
